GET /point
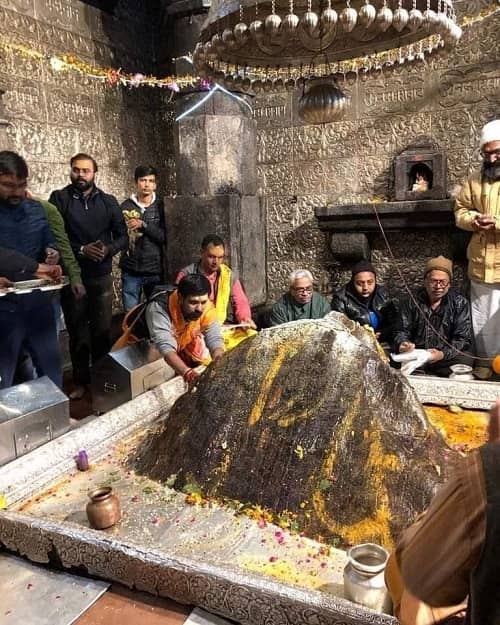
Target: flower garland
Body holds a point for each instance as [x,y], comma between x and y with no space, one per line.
[109,76]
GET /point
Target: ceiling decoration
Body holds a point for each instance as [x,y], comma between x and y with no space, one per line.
[276,44]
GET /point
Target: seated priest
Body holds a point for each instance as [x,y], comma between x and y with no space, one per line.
[301,302]
[445,567]
[183,325]
[226,292]
[365,301]
[436,319]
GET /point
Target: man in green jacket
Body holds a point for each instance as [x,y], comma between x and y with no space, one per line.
[69,262]
[301,302]
[24,370]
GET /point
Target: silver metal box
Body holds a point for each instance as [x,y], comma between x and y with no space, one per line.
[122,375]
[31,414]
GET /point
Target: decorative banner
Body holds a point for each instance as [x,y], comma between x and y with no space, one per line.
[116,77]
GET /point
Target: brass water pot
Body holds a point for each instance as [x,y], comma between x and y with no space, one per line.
[103,510]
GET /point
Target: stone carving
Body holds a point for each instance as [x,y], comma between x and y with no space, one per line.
[351,160]
[54,115]
[347,161]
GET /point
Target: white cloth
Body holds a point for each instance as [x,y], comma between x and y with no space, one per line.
[412,360]
[485,310]
[140,205]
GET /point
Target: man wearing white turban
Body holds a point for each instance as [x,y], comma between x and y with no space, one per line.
[477,209]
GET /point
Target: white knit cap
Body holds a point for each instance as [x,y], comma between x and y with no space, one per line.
[490,132]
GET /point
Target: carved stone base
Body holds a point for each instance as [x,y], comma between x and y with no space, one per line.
[350,247]
[416,215]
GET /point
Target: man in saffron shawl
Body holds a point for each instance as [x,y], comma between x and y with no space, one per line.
[183,324]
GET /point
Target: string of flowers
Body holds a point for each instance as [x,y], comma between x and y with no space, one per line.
[109,76]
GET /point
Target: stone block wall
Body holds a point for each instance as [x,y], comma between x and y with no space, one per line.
[300,166]
[53,114]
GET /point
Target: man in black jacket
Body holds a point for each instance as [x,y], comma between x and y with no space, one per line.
[142,263]
[365,301]
[436,319]
[96,231]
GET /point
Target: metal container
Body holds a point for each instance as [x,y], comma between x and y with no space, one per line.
[461,372]
[31,414]
[122,375]
[103,509]
[364,577]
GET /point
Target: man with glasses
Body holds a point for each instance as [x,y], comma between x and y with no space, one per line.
[435,319]
[96,231]
[301,302]
[28,247]
[477,209]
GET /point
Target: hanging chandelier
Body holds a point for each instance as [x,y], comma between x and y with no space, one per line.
[279,44]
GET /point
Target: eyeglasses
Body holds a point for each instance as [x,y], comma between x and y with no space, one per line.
[302,289]
[438,282]
[491,153]
[13,186]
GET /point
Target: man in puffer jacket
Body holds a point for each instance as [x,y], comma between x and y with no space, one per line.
[142,263]
[365,301]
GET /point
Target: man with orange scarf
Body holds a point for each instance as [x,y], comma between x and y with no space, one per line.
[183,324]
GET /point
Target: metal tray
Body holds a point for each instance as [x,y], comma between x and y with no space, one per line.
[28,286]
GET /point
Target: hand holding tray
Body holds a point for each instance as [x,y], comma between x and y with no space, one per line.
[28,286]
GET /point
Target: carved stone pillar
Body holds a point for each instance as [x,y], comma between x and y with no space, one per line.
[215,150]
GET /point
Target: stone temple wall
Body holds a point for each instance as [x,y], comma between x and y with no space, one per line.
[299,166]
[302,166]
[54,115]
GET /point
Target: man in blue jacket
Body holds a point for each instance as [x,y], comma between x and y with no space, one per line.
[26,320]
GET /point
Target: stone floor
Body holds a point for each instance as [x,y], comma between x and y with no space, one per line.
[121,606]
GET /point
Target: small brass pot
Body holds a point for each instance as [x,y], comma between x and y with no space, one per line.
[103,510]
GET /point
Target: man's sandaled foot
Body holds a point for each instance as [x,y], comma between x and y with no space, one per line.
[78,392]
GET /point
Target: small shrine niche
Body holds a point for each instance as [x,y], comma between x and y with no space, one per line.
[420,173]
[419,201]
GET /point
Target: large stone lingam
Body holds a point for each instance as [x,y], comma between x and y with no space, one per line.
[308,421]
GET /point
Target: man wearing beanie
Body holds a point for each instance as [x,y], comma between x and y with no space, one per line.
[477,209]
[436,319]
[365,301]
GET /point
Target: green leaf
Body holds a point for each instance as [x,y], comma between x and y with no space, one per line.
[171,480]
[324,484]
[191,488]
